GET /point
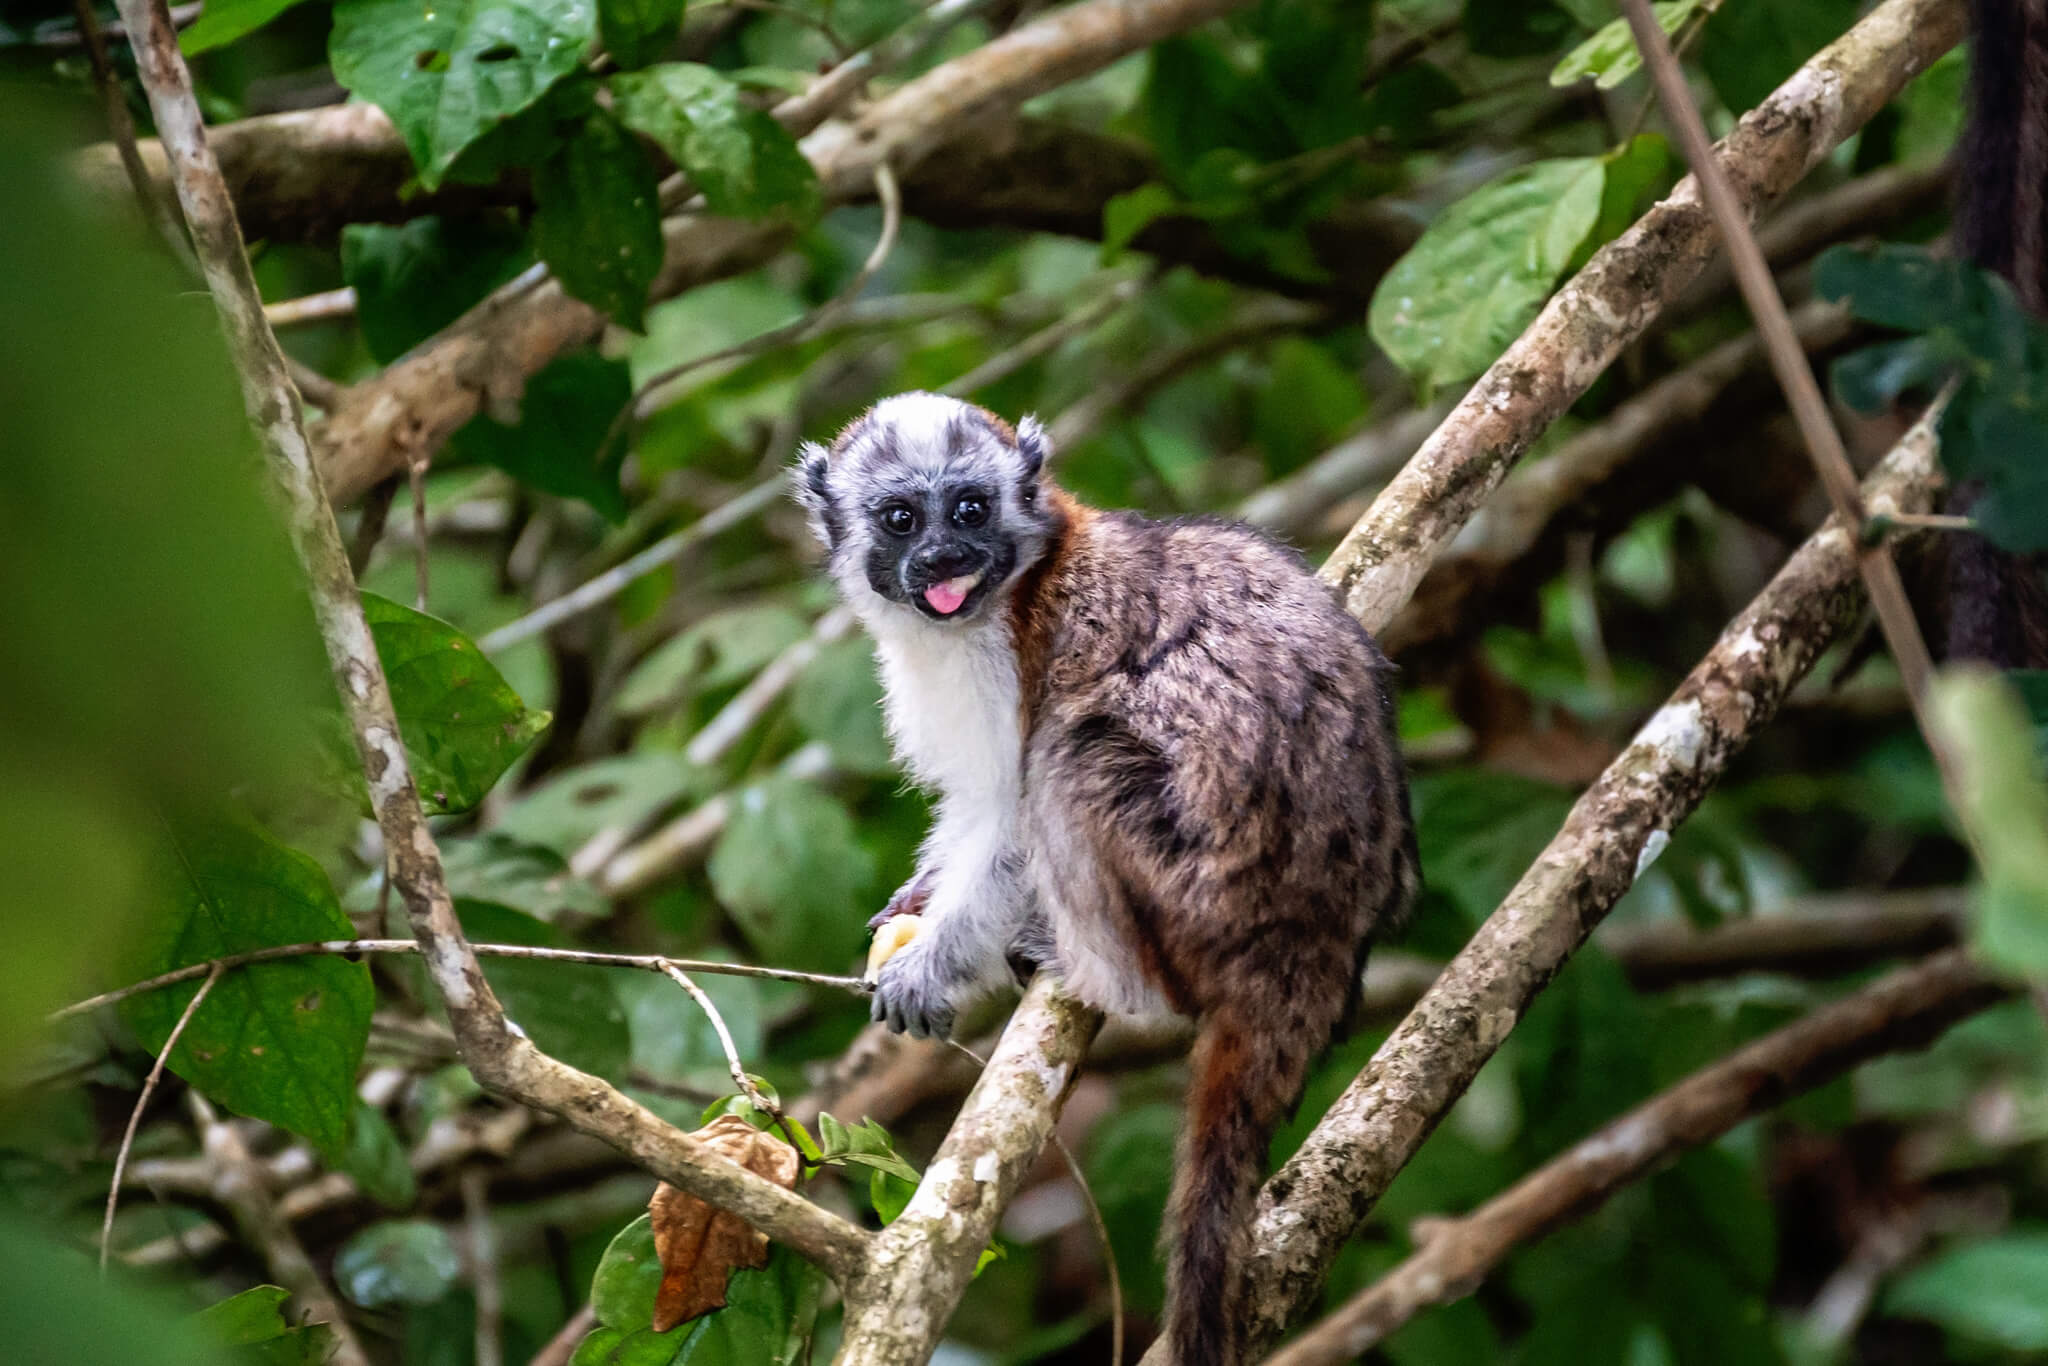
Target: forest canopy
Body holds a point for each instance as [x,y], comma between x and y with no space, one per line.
[444,796]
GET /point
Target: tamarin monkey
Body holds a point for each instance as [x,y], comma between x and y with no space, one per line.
[1994,605]
[1165,765]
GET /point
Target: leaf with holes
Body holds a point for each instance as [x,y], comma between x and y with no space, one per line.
[449,71]
[275,1041]
[598,225]
[463,724]
[746,163]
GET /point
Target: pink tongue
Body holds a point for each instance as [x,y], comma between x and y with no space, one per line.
[945,598]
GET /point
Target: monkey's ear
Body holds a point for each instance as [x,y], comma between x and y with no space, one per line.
[812,467]
[1033,444]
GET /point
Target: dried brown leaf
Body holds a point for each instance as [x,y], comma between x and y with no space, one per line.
[699,1245]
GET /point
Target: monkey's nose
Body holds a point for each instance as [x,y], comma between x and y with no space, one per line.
[938,562]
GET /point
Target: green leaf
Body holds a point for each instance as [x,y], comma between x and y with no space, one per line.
[1610,55]
[397,1261]
[767,1318]
[463,725]
[555,446]
[717,651]
[1477,830]
[376,1161]
[450,71]
[226,20]
[1988,1293]
[414,279]
[532,878]
[1308,401]
[275,1041]
[569,1009]
[1983,724]
[598,221]
[672,1037]
[1482,270]
[745,163]
[1124,216]
[838,700]
[564,812]
[252,1328]
[1753,45]
[866,1144]
[791,873]
[637,32]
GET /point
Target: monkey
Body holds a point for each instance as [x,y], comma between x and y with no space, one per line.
[1165,765]
[1992,603]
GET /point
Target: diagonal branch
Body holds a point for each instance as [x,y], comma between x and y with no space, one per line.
[1615,830]
[1906,1009]
[500,1055]
[1617,295]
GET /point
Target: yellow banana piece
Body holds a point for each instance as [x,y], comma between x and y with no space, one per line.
[894,934]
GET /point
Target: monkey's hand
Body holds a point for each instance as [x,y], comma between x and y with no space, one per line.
[915,994]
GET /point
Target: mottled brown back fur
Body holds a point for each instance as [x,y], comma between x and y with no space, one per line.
[1217,805]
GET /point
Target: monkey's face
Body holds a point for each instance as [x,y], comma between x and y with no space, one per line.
[929,504]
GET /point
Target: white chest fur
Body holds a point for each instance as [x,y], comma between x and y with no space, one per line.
[952,707]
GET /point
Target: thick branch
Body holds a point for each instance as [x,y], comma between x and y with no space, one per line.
[408,411]
[1614,831]
[1617,295]
[1907,1009]
[501,1056]
[897,1310]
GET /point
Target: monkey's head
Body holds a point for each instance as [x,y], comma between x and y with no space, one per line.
[929,504]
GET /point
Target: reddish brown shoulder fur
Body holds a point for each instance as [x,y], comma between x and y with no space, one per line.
[1032,605]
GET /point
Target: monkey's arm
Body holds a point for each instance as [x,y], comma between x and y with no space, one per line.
[970,875]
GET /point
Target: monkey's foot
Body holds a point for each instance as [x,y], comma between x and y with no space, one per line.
[892,936]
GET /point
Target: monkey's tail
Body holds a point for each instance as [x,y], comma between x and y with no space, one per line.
[1245,1079]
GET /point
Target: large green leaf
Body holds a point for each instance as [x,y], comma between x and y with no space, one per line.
[793,876]
[767,1318]
[463,724]
[413,279]
[621,791]
[223,21]
[450,71]
[637,32]
[568,1009]
[1610,55]
[598,224]
[276,1041]
[1988,1292]
[2003,804]
[1482,270]
[397,1261]
[252,1329]
[555,446]
[745,163]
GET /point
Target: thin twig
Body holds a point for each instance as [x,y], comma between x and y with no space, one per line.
[1095,1219]
[314,387]
[608,585]
[562,1346]
[312,308]
[1788,359]
[1043,342]
[376,511]
[156,1074]
[724,730]
[740,1076]
[484,1281]
[1932,521]
[121,127]
[644,402]
[350,947]
[416,475]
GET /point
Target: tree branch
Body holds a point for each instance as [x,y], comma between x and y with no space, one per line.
[1907,1009]
[501,1056]
[1614,831]
[1617,295]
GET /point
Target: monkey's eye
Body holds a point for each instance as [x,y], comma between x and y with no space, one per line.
[899,519]
[971,509]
